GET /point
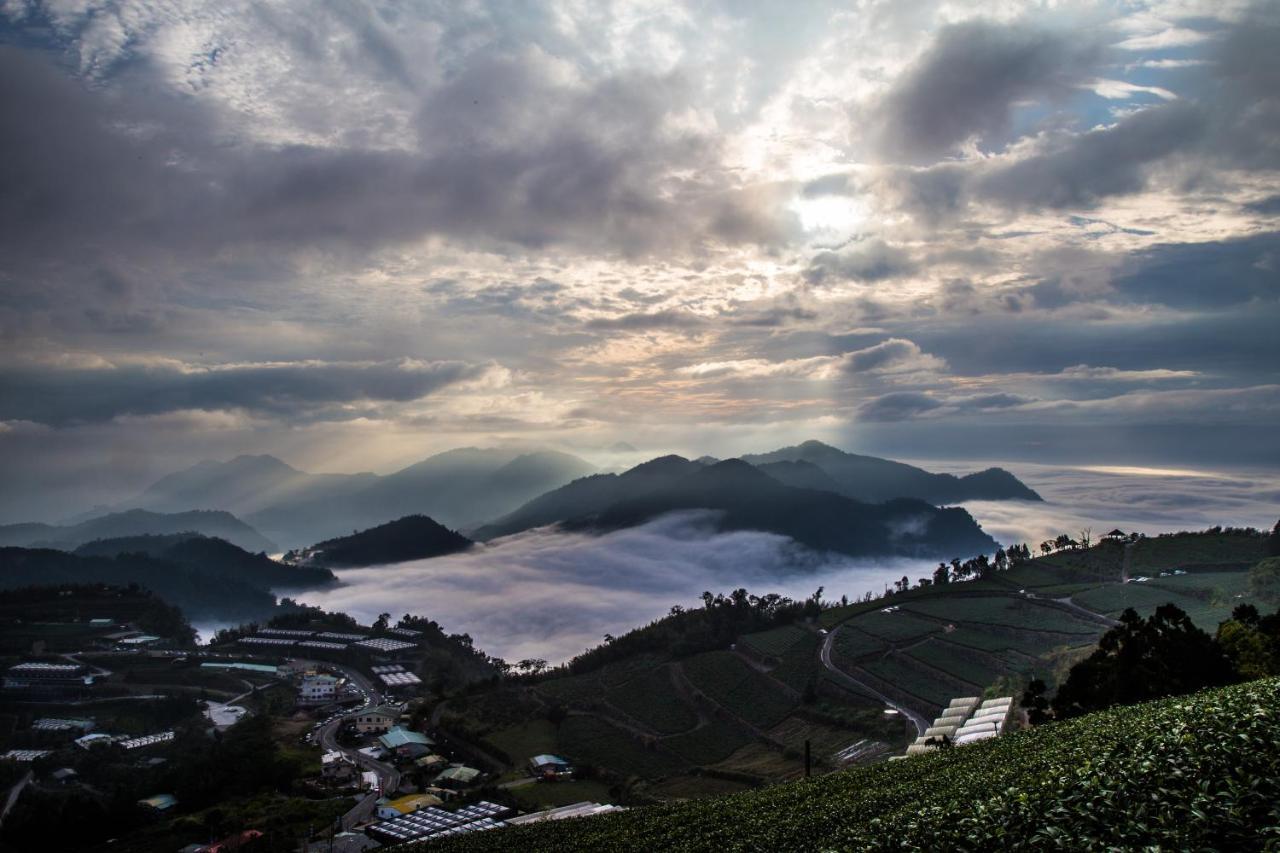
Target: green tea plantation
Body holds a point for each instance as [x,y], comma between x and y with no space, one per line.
[1199,772]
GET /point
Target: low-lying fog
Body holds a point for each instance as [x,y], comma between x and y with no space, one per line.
[551,595]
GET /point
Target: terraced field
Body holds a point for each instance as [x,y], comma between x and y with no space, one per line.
[958,662]
[927,686]
[710,744]
[897,628]
[799,666]
[1003,612]
[651,698]
[1208,766]
[852,644]
[775,642]
[727,680]
[591,740]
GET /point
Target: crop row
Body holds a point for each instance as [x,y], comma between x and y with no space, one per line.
[1199,772]
[731,683]
[652,699]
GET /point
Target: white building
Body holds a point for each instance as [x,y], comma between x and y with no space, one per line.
[318,689]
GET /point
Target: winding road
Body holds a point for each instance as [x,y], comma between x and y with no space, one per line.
[327,738]
[916,720]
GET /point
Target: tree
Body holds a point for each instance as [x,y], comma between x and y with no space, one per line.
[1273,541]
[380,624]
[1264,580]
[1248,648]
[942,574]
[1086,538]
[1034,701]
[1142,659]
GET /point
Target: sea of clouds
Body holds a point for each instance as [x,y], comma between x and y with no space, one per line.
[551,595]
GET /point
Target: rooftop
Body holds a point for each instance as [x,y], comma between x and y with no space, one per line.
[401,737]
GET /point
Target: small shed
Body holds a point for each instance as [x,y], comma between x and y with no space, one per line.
[548,766]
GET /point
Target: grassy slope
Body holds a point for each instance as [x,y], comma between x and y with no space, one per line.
[1000,633]
[1199,772]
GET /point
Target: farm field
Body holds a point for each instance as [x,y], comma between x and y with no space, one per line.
[762,761]
[651,698]
[775,642]
[1002,611]
[591,740]
[709,744]
[898,671]
[898,627]
[548,795]
[800,666]
[1211,763]
[824,738]
[525,740]
[958,662]
[1146,597]
[731,683]
[851,643]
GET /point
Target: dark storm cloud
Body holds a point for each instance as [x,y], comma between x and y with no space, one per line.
[506,152]
[1072,171]
[1204,275]
[874,260]
[968,81]
[1269,206]
[66,396]
[898,406]
[1228,121]
[1084,169]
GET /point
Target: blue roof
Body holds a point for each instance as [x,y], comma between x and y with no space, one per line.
[548,759]
[402,737]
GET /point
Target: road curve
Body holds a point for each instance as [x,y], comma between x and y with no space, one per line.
[916,720]
[388,775]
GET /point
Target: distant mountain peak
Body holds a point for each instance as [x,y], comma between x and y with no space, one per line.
[734,470]
[659,464]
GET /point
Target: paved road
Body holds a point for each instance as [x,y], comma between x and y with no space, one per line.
[916,720]
[388,775]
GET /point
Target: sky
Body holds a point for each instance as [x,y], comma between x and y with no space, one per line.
[352,234]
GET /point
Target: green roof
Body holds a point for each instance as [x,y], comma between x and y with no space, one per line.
[459,774]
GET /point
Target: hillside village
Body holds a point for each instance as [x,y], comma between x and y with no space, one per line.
[386,733]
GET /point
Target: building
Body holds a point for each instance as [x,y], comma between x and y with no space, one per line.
[48,678]
[318,689]
[377,720]
[550,767]
[432,822]
[55,725]
[405,744]
[583,809]
[159,802]
[64,776]
[457,777]
[337,769]
[265,669]
[401,806]
[431,762]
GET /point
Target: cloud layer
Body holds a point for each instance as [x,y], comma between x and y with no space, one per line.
[355,234]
